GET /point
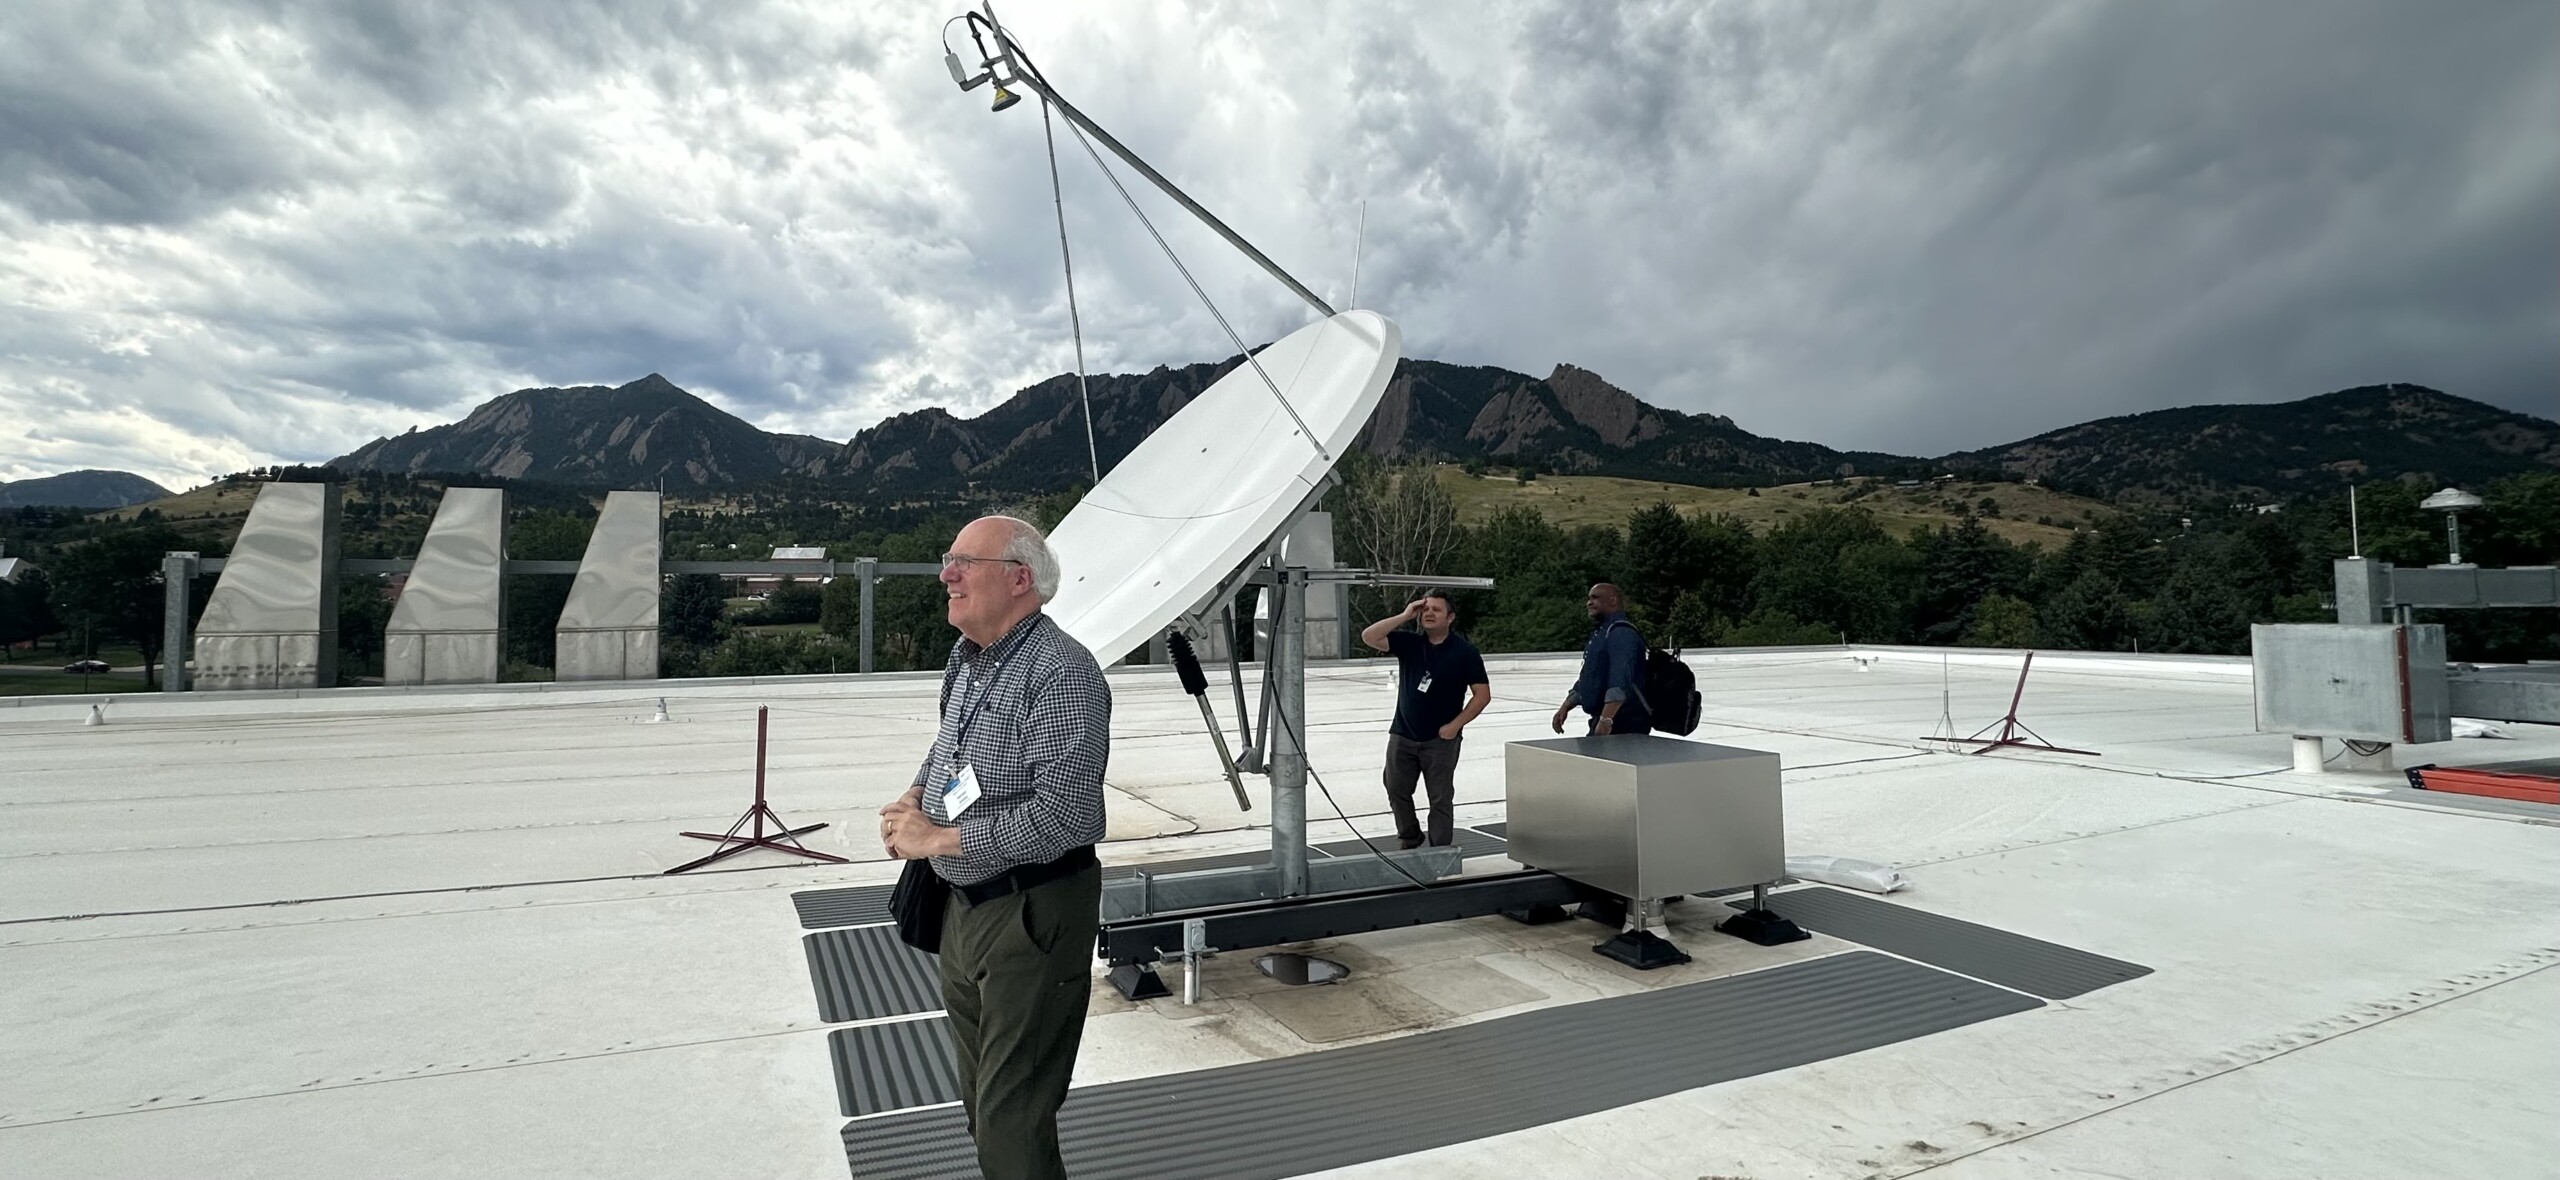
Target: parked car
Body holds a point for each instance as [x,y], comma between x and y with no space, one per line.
[86,667]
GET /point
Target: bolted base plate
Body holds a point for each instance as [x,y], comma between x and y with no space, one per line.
[1138,981]
[1763,927]
[1643,950]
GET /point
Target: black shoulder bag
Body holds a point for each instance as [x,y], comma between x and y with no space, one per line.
[916,904]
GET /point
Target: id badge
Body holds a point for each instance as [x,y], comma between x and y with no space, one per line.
[1425,686]
[958,792]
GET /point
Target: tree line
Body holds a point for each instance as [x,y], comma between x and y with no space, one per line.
[2155,579]
[2149,579]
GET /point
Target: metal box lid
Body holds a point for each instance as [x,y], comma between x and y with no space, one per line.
[1643,749]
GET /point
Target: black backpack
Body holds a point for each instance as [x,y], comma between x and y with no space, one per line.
[1669,681]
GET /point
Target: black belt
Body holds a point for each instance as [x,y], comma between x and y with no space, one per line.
[1022,878]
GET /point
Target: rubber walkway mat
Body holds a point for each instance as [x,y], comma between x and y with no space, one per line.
[1471,843]
[2030,965]
[861,905]
[1500,829]
[865,973]
[1294,1115]
[894,1066]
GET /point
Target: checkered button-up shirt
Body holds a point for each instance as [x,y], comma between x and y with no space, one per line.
[1031,714]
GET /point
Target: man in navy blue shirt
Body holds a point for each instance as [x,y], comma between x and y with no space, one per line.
[1611,687]
[1440,687]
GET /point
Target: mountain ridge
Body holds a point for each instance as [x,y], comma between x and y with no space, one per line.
[2369,432]
[85,488]
[1573,421]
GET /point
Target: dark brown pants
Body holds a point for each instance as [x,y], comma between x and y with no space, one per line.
[1436,763]
[1017,973]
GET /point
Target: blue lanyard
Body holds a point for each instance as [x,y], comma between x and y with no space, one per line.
[970,706]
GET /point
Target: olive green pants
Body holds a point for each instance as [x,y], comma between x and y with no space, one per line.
[1017,973]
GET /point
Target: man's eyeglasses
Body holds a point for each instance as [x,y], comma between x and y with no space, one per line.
[965,563]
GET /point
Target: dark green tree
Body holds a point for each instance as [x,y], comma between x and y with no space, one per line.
[363,615]
[795,600]
[2518,523]
[1661,562]
[690,612]
[16,622]
[2001,621]
[1962,565]
[1534,605]
[534,601]
[108,587]
[776,653]
[2089,613]
[35,593]
[1689,623]
[1838,568]
[1726,553]
[2217,586]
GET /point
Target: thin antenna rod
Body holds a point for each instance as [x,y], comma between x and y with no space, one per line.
[2355,529]
[1029,76]
[1075,319]
[1358,240]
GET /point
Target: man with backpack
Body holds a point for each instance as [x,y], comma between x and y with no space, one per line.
[1611,687]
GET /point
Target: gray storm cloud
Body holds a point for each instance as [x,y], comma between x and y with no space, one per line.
[233,234]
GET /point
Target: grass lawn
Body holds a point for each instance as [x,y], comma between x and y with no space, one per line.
[213,501]
[25,682]
[1570,501]
[121,655]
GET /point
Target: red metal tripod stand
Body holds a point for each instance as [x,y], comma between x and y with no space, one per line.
[784,837]
[2011,727]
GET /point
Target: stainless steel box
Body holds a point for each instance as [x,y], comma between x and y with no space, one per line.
[1645,816]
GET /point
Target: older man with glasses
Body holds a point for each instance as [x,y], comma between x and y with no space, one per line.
[1009,806]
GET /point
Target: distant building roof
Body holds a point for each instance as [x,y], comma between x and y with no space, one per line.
[800,553]
[11,567]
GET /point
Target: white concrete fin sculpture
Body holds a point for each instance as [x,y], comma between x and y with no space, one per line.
[449,626]
[273,619]
[1205,492]
[609,629]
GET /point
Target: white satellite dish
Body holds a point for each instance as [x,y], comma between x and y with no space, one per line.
[1211,485]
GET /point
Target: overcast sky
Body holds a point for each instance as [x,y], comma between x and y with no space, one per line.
[234,234]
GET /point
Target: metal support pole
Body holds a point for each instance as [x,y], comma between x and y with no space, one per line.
[868,570]
[177,575]
[1288,762]
[1235,676]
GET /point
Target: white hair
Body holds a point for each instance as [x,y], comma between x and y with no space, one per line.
[1031,548]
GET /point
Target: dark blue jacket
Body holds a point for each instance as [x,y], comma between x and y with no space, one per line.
[1613,670]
